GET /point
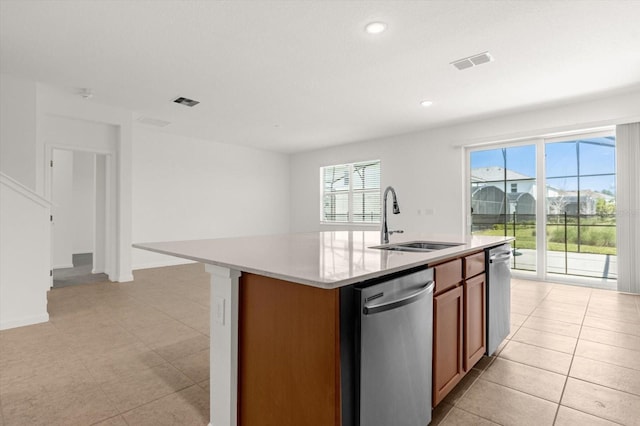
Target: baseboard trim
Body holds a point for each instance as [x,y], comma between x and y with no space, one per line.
[125,278]
[21,322]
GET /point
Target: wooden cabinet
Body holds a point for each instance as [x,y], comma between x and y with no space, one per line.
[447,275]
[289,364]
[473,265]
[459,321]
[447,342]
[288,354]
[474,320]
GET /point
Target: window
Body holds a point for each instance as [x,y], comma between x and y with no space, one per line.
[514,187]
[351,193]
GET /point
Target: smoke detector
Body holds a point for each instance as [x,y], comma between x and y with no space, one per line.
[86,93]
[186,101]
[472,61]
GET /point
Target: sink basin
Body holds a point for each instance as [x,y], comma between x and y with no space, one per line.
[423,246]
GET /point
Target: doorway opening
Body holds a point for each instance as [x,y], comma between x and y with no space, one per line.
[81,217]
[80,273]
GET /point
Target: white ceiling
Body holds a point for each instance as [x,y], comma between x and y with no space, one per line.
[298,75]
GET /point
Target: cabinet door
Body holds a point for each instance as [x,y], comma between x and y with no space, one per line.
[288,354]
[447,343]
[474,320]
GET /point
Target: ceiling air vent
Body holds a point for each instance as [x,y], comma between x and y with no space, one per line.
[153,121]
[186,101]
[472,61]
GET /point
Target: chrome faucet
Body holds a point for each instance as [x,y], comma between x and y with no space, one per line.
[384,232]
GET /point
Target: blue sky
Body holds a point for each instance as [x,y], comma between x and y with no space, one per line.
[596,156]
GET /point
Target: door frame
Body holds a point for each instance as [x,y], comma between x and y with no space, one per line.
[541,231]
[111,196]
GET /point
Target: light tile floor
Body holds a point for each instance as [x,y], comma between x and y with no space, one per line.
[137,354]
[572,358]
[113,354]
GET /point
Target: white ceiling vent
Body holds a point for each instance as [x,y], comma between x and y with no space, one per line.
[472,61]
[186,101]
[153,121]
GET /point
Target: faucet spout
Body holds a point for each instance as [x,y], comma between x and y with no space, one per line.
[384,232]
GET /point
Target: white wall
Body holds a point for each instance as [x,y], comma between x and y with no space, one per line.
[62,209]
[73,200]
[24,255]
[18,129]
[83,202]
[428,169]
[409,163]
[78,134]
[101,205]
[185,188]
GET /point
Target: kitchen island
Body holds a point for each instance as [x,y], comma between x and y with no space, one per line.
[275,315]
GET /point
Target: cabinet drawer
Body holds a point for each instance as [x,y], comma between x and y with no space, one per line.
[448,275]
[474,265]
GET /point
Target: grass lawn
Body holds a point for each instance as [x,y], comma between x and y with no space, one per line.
[526,239]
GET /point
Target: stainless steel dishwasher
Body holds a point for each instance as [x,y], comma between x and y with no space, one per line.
[498,296]
[395,334]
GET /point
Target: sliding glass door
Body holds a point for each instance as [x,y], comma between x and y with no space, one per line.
[557,197]
[581,206]
[503,198]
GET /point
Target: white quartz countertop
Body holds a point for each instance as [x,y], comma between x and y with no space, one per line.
[320,259]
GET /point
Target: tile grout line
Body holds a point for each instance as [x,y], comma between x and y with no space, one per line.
[99,384]
[493,358]
[194,382]
[157,399]
[558,404]
[109,418]
[454,405]
[569,372]
[566,380]
[474,414]
[169,315]
[95,381]
[544,347]
[93,304]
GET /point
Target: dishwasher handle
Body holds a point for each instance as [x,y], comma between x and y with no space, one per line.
[374,309]
[500,257]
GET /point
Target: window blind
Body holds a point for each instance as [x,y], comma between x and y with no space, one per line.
[351,193]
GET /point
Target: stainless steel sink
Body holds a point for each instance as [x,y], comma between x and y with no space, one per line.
[423,246]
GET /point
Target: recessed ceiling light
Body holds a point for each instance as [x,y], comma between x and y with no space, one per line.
[375,27]
[426,103]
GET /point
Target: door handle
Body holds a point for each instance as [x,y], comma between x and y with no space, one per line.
[501,257]
[374,309]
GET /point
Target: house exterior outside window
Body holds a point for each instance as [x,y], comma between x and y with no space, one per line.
[350,193]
